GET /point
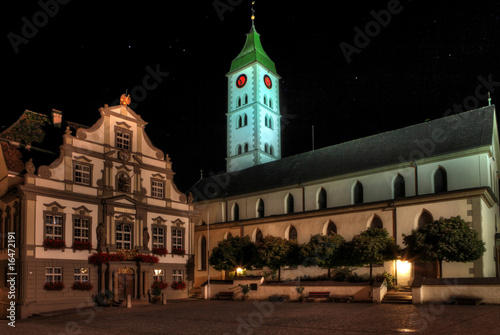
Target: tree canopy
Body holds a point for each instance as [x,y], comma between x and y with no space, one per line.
[447,239]
[232,253]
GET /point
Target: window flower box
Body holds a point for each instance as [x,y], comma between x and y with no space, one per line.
[160,251]
[178,251]
[53,244]
[104,258]
[57,286]
[82,245]
[146,258]
[82,286]
[178,285]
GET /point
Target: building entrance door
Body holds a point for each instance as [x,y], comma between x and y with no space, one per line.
[126,283]
[428,270]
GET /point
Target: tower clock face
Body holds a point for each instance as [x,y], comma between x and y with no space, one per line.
[267,81]
[241,80]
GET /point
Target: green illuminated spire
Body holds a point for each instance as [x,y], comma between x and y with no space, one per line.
[252,52]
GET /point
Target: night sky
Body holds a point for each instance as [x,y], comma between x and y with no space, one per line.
[423,62]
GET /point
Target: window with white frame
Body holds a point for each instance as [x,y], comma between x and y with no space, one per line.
[157,188]
[176,238]
[53,275]
[122,140]
[82,173]
[177,275]
[53,226]
[158,236]
[124,236]
[81,274]
[159,275]
[81,226]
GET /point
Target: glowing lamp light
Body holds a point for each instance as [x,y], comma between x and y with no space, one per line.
[403,266]
[239,271]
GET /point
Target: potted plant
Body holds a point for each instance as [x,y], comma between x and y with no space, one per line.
[156,289]
[300,290]
[53,244]
[245,289]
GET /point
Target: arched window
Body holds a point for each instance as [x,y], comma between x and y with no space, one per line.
[270,123]
[258,236]
[425,218]
[440,180]
[270,102]
[229,235]
[399,187]
[236,212]
[331,229]
[266,148]
[238,102]
[358,193]
[238,150]
[246,99]
[376,222]
[203,253]
[271,150]
[265,100]
[289,204]
[322,199]
[245,119]
[292,234]
[245,147]
[266,121]
[260,208]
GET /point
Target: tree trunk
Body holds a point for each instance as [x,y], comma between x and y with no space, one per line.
[440,265]
[371,271]
[329,273]
[279,273]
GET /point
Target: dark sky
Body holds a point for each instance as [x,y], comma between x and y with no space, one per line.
[87,53]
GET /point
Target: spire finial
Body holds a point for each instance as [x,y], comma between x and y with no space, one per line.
[489,99]
[253,13]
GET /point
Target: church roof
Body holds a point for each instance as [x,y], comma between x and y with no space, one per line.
[452,134]
[252,52]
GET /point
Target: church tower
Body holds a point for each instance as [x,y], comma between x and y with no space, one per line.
[253,117]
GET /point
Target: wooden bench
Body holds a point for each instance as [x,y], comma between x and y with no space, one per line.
[341,298]
[225,295]
[317,295]
[465,300]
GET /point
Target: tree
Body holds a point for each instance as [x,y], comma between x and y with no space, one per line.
[373,246]
[451,240]
[324,251]
[274,252]
[232,253]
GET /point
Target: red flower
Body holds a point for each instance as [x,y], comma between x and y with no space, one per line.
[178,251]
[160,251]
[54,244]
[82,245]
[178,285]
[104,257]
[146,258]
[57,286]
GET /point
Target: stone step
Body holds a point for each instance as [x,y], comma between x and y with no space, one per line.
[400,297]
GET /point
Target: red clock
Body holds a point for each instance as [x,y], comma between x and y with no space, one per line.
[267,81]
[241,80]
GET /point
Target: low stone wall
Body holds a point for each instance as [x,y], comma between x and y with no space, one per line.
[431,290]
[359,291]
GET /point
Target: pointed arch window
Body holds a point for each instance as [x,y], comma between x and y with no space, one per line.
[289,204]
[358,193]
[245,120]
[266,148]
[376,222]
[236,212]
[245,99]
[292,234]
[238,102]
[270,103]
[322,198]
[271,150]
[266,121]
[265,100]
[238,150]
[331,229]
[239,122]
[258,236]
[440,180]
[399,187]
[245,147]
[260,208]
[425,218]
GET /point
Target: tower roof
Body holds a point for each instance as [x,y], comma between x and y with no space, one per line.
[252,52]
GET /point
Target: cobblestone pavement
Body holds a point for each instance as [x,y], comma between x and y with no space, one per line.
[264,317]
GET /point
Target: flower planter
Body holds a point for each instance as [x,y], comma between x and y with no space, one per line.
[49,244]
[57,286]
[77,245]
[160,251]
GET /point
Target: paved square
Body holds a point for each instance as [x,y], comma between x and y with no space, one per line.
[264,317]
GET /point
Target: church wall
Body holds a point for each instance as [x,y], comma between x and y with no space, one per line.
[488,223]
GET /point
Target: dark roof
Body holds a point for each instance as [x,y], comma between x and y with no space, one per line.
[468,130]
